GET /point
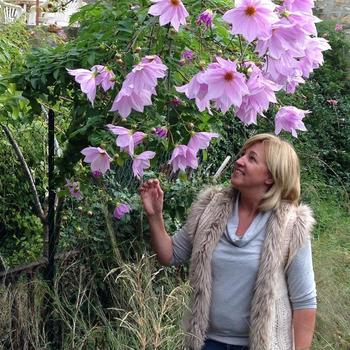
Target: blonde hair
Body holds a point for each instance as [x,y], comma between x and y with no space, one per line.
[284,167]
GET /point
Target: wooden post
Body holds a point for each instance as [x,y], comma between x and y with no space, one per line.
[37,11]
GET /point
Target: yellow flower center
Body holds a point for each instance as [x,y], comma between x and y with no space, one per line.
[250,11]
[175,2]
[228,76]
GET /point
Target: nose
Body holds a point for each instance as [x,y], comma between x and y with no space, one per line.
[240,161]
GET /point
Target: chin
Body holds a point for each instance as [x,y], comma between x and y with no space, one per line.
[234,184]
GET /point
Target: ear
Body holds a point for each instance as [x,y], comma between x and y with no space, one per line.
[269,180]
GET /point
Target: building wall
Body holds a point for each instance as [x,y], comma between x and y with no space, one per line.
[334,9]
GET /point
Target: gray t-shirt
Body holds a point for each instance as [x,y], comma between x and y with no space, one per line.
[235,264]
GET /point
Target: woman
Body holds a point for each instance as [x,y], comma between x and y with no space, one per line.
[250,254]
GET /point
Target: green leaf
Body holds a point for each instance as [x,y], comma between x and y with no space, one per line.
[91,58]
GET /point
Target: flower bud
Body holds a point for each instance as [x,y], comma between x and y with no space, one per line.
[118,56]
[182,62]
[90,213]
[137,49]
[202,65]
[190,126]
[119,61]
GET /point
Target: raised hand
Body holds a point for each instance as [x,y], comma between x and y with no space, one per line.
[152,197]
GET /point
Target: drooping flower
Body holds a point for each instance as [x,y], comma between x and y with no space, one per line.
[161,132]
[290,119]
[206,18]
[105,77]
[126,139]
[197,88]
[120,210]
[98,157]
[141,162]
[226,86]
[338,27]
[87,81]
[138,86]
[283,69]
[305,6]
[313,55]
[145,74]
[127,99]
[306,21]
[74,189]
[283,37]
[170,11]
[252,18]
[201,140]
[261,93]
[183,157]
[187,55]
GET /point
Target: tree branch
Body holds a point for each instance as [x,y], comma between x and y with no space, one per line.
[27,173]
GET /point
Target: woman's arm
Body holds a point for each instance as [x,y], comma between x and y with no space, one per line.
[304,325]
[152,199]
[302,293]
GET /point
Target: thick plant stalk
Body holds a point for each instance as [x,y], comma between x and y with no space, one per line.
[27,173]
[111,232]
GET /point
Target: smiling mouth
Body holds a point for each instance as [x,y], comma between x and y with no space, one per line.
[238,171]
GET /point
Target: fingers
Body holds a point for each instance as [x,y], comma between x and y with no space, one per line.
[152,184]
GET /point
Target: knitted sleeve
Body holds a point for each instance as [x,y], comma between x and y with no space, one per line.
[301,280]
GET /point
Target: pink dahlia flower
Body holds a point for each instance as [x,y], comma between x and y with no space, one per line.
[120,210]
[145,74]
[98,157]
[183,157]
[290,119]
[299,5]
[252,18]
[128,99]
[170,11]
[126,139]
[226,86]
[197,88]
[283,37]
[105,77]
[261,93]
[201,140]
[313,55]
[87,81]
[141,162]
[279,70]
[74,189]
[206,18]
[305,21]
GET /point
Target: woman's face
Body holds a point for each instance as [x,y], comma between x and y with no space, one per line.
[250,171]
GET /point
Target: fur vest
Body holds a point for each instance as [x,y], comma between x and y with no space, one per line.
[271,317]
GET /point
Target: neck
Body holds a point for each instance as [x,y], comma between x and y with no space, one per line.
[249,202]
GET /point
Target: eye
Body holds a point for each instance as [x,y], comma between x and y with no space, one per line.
[252,157]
